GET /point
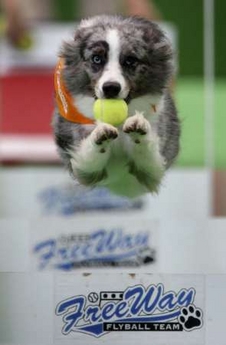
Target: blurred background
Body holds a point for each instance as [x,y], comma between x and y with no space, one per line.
[32,179]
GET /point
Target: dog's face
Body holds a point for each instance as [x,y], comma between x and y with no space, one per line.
[117,57]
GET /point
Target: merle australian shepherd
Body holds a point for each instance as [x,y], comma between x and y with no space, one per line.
[126,58]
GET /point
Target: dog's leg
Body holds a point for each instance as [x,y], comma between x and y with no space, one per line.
[145,160]
[89,161]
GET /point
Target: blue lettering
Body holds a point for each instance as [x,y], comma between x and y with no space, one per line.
[46,250]
[75,251]
[99,236]
[152,298]
[138,302]
[100,243]
[167,301]
[107,311]
[86,251]
[146,302]
[171,300]
[136,293]
[121,309]
[92,313]
[114,238]
[71,319]
[186,297]
[128,242]
[63,253]
[142,239]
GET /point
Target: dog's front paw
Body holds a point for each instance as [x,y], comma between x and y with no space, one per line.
[104,133]
[137,126]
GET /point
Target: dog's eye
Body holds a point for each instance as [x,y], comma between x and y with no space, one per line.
[97,59]
[131,62]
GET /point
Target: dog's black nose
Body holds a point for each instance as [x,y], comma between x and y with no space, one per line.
[111,89]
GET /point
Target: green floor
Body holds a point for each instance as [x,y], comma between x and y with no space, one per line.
[190,103]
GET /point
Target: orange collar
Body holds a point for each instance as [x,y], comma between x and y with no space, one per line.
[64,100]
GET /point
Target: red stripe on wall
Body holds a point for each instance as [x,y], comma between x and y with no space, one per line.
[27,102]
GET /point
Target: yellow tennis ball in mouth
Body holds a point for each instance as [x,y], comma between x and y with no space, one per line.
[112,111]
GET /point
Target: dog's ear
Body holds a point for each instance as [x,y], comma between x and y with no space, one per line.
[71,52]
[160,52]
[74,75]
[157,41]
[164,48]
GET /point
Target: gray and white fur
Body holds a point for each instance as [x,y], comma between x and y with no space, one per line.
[127,58]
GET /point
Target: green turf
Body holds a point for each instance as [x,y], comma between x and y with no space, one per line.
[220,124]
[190,103]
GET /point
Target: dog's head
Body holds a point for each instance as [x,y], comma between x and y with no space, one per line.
[117,57]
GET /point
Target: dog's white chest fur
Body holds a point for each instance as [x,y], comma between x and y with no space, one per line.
[119,180]
[126,160]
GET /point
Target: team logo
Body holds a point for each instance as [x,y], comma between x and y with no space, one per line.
[113,247]
[135,309]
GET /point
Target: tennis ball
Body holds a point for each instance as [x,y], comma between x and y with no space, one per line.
[112,111]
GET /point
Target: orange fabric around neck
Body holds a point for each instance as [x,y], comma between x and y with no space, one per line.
[65,101]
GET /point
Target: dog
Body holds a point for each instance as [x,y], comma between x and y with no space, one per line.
[126,58]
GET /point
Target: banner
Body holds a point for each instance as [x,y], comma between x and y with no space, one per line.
[127,308]
[111,241]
